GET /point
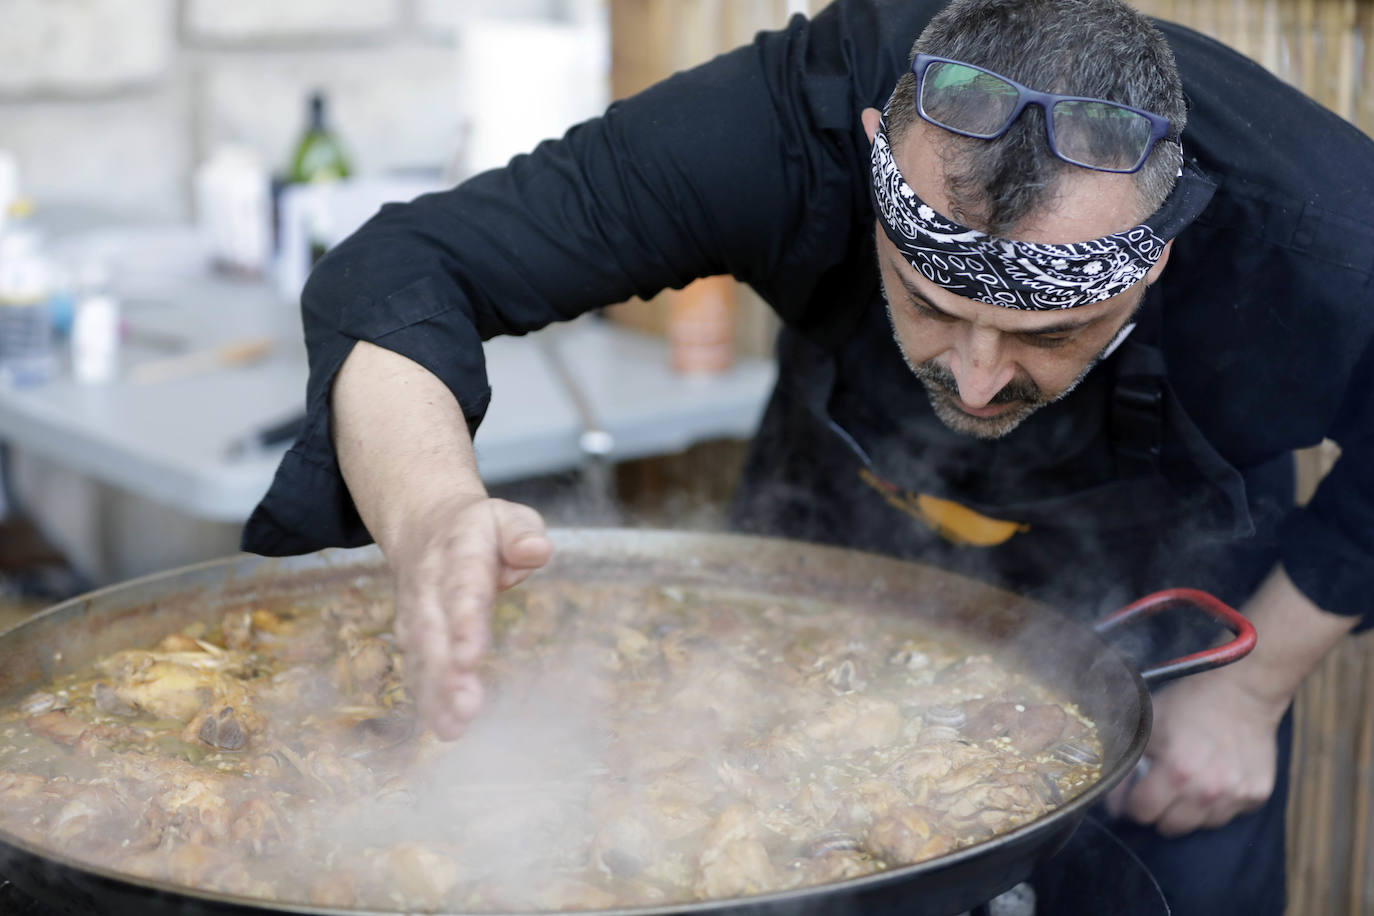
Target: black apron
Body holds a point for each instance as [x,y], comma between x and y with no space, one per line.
[1111,493]
[1091,502]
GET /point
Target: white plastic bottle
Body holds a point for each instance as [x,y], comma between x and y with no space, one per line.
[95,330]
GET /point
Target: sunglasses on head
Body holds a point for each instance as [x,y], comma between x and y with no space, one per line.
[1092,133]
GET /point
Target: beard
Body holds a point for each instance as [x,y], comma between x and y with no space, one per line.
[1022,394]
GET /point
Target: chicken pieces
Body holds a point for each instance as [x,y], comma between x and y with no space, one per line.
[183,685]
[730,748]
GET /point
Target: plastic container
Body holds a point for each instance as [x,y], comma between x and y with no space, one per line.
[27,284]
[95,329]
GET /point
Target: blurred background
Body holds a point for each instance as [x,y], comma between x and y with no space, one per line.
[170,168]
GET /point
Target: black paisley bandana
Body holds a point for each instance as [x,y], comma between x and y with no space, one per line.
[1025,275]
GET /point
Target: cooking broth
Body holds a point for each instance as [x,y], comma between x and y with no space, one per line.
[640,745]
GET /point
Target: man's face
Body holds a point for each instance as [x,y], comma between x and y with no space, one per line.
[985,367]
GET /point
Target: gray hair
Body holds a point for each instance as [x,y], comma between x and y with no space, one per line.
[1097,48]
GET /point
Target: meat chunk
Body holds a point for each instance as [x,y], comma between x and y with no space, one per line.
[1030,727]
[260,827]
[734,860]
[87,738]
[854,723]
[760,791]
[974,676]
[175,685]
[364,668]
[840,865]
[178,800]
[57,726]
[906,836]
[734,868]
[422,874]
[92,820]
[368,612]
[869,801]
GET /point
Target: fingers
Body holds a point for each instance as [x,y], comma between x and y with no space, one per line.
[1182,817]
[525,545]
[1186,815]
[444,590]
[1115,801]
[1178,799]
[469,588]
[423,634]
[1152,794]
[446,586]
[1212,756]
[459,699]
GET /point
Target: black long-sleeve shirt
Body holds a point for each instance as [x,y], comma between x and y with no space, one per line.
[755,164]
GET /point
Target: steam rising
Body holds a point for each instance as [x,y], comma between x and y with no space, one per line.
[496,806]
[651,744]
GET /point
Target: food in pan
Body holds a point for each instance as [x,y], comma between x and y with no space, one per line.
[640,746]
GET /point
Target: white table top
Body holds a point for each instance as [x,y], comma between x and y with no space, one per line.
[170,441]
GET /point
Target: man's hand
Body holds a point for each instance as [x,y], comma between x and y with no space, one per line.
[449,564]
[1211,756]
[404,449]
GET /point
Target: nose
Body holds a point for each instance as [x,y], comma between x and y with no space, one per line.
[979,366]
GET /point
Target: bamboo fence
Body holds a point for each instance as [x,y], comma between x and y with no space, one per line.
[1323,47]
[1331,790]
[1317,45]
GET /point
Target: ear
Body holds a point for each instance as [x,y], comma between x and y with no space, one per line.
[1158,267]
[871,118]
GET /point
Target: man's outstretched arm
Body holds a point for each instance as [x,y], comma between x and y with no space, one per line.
[406,456]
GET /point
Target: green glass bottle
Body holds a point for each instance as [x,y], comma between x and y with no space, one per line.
[319,156]
[319,159]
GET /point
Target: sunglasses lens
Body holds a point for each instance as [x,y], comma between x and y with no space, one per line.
[966,99]
[1100,135]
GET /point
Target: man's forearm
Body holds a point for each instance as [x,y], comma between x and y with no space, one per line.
[1293,637]
[405,452]
[401,439]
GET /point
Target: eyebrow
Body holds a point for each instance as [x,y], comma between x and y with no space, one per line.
[1062,327]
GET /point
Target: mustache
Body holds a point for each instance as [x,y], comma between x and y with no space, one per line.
[1018,389]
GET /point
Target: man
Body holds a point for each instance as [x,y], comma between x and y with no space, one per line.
[1121,329]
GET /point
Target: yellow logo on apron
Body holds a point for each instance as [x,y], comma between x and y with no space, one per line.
[953,522]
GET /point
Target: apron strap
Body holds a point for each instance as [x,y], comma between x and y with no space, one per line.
[1136,419]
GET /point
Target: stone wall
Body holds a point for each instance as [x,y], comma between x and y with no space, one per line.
[109,104]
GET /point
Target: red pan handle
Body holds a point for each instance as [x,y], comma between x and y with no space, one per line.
[1207,659]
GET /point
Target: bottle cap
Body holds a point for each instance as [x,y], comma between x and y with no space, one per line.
[9,182]
[19,208]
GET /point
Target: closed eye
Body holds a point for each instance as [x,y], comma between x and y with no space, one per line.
[1046,341]
[1047,338]
[926,310]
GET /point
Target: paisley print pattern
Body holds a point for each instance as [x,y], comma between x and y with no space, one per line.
[1016,274]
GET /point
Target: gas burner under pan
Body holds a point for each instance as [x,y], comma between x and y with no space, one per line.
[1093,875]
